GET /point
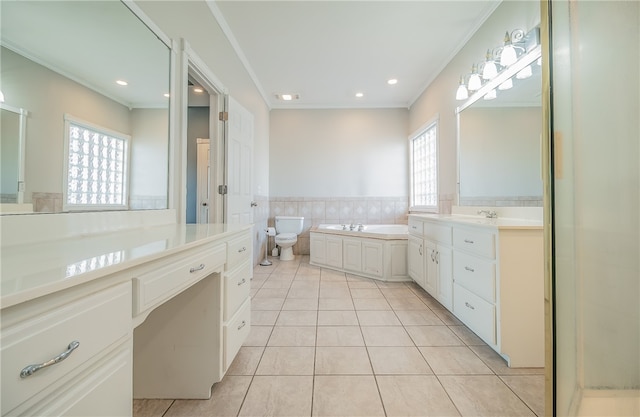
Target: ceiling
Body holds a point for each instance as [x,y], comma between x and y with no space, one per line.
[327,51]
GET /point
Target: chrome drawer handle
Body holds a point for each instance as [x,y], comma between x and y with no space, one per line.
[468,241]
[469,305]
[197,268]
[242,250]
[244,323]
[31,369]
[242,282]
[469,269]
[420,249]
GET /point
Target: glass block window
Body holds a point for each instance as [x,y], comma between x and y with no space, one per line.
[96,167]
[424,168]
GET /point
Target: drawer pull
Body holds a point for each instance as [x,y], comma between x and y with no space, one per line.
[420,249]
[31,369]
[469,269]
[197,268]
[244,323]
[242,282]
[242,249]
[469,305]
[468,241]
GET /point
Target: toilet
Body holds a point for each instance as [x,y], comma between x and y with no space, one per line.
[287,230]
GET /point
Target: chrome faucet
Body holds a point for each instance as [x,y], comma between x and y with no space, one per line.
[489,214]
[352,227]
[360,227]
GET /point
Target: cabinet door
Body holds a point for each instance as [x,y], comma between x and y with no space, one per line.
[444,259]
[334,251]
[352,255]
[372,260]
[318,250]
[431,279]
[416,261]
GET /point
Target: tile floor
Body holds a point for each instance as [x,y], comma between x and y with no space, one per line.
[325,343]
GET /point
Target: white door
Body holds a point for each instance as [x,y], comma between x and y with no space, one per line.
[203,169]
[239,175]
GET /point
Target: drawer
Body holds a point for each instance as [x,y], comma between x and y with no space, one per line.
[174,274]
[239,249]
[96,322]
[235,332]
[236,289]
[475,241]
[476,313]
[476,274]
[438,232]
[415,226]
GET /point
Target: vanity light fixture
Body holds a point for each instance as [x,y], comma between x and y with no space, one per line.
[392,81]
[490,70]
[121,82]
[359,95]
[509,55]
[462,93]
[490,95]
[507,84]
[526,72]
[166,95]
[474,79]
[1,97]
[198,90]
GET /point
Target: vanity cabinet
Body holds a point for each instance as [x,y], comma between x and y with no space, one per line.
[489,274]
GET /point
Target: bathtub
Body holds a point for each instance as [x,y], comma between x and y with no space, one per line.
[379,251]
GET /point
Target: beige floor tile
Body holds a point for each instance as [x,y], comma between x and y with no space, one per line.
[300,304]
[272,293]
[279,396]
[466,335]
[366,293]
[386,336]
[454,360]
[342,361]
[377,318]
[383,284]
[257,283]
[361,284]
[338,285]
[307,277]
[263,304]
[337,318]
[414,395]
[276,284]
[293,336]
[226,399]
[277,276]
[339,336]
[530,389]
[418,318]
[483,395]
[263,318]
[246,361]
[371,304]
[297,318]
[253,292]
[258,336]
[305,285]
[303,293]
[499,365]
[447,317]
[334,293]
[346,396]
[150,408]
[397,292]
[329,275]
[398,360]
[286,361]
[335,304]
[407,303]
[433,336]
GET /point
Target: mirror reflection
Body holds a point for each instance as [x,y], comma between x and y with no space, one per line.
[500,147]
[95,62]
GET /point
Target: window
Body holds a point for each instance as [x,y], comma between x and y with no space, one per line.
[424,168]
[96,167]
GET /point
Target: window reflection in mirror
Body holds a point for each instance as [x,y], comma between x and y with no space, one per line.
[56,69]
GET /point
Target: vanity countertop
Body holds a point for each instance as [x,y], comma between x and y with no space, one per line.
[33,270]
[478,221]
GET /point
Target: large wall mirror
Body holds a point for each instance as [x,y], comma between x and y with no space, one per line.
[72,59]
[499,141]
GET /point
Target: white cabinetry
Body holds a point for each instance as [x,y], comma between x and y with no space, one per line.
[333,251]
[416,258]
[351,255]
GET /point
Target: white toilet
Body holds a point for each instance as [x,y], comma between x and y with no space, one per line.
[287,230]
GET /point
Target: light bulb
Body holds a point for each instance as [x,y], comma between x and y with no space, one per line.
[474,80]
[524,73]
[490,70]
[1,97]
[506,85]
[462,93]
[508,56]
[490,95]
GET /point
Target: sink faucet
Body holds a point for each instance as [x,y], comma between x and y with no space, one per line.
[489,214]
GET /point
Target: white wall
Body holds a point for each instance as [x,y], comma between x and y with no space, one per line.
[338,153]
[439,97]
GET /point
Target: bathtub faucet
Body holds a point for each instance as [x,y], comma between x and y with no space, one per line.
[489,214]
[352,227]
[360,227]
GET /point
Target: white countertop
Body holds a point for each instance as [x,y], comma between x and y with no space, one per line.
[33,270]
[478,221]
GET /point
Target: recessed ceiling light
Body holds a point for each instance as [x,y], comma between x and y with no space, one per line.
[287,96]
[121,82]
[197,90]
[359,95]
[392,81]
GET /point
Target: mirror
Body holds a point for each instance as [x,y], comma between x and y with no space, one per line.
[62,59]
[499,142]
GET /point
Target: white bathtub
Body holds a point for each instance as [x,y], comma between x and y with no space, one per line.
[379,251]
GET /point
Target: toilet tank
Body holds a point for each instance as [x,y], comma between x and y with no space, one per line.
[289,224]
